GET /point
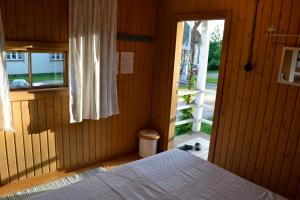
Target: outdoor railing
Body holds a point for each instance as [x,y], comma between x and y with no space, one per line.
[197,107]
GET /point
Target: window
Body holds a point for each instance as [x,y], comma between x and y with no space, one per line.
[14,56]
[37,70]
[45,73]
[57,56]
[18,72]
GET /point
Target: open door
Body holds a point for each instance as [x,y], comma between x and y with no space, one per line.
[198,62]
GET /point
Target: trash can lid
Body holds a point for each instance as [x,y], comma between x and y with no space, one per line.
[149,134]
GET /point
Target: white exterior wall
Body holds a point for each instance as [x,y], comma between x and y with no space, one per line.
[41,63]
[18,67]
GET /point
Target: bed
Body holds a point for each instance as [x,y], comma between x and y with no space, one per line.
[170,175]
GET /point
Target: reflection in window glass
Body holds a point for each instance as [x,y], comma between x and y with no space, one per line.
[18,70]
[45,72]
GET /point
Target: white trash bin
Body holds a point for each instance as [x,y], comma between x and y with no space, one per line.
[148,142]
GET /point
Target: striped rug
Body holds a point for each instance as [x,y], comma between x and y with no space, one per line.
[53,185]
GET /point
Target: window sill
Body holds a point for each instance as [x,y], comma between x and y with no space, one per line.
[32,94]
[40,89]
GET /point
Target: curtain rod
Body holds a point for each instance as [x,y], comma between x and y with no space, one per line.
[134,38]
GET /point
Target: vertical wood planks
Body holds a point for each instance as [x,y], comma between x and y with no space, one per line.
[20,20]
[3,160]
[51,134]
[45,141]
[42,123]
[257,128]
[79,143]
[92,138]
[27,138]
[11,27]
[34,131]
[86,142]
[58,130]
[66,132]
[18,136]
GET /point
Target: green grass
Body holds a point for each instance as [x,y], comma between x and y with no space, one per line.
[212,71]
[18,76]
[37,77]
[212,80]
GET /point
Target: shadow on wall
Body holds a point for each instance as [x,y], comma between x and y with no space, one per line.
[41,141]
[37,168]
[44,141]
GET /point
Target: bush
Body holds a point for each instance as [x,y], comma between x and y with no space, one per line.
[183,129]
[185,114]
[206,128]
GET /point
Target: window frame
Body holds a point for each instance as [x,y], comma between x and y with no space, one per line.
[17,59]
[55,59]
[34,47]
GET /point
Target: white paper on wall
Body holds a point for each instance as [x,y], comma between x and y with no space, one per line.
[127,62]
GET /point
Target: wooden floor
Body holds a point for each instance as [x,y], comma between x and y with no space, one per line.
[31,182]
[191,139]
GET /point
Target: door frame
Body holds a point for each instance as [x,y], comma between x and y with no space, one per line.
[175,47]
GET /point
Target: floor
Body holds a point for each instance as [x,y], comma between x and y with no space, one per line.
[191,139]
[31,182]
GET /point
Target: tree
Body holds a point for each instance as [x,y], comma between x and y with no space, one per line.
[194,41]
[215,49]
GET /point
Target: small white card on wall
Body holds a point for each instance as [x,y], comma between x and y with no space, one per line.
[127,62]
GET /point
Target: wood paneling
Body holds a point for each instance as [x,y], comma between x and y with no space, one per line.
[257,132]
[44,140]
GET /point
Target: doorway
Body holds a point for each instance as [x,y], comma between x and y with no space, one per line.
[199,58]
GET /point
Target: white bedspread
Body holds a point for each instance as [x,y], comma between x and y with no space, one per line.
[167,176]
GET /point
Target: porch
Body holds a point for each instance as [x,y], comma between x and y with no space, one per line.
[191,139]
[196,92]
[203,108]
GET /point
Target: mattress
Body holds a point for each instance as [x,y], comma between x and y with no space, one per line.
[170,175]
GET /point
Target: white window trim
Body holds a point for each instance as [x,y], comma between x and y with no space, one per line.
[60,55]
[9,56]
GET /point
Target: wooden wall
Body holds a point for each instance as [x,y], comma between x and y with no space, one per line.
[44,141]
[257,135]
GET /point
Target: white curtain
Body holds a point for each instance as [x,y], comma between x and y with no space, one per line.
[6,121]
[92,51]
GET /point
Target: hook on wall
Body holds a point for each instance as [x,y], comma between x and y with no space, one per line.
[271,33]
